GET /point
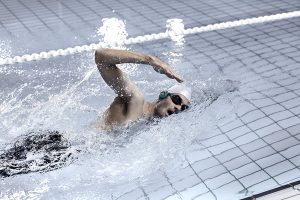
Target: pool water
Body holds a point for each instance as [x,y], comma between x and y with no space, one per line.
[238,138]
[68,95]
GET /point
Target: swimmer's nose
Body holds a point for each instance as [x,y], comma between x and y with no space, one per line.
[172,111]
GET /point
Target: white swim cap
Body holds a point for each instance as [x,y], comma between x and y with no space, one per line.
[181,89]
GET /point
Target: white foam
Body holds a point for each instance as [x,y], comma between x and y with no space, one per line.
[175,29]
[113,32]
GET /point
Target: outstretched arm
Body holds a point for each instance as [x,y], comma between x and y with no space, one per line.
[106,60]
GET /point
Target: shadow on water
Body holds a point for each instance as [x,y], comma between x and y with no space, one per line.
[40,151]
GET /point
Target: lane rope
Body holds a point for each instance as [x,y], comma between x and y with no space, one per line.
[146,38]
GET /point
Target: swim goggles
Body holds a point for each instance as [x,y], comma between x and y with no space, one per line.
[176,99]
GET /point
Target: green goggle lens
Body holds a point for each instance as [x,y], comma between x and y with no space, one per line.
[163,95]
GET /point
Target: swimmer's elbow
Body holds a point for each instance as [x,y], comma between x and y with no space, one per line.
[100,56]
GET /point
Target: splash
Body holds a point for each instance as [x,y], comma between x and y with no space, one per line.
[107,160]
[112,33]
[175,29]
[71,99]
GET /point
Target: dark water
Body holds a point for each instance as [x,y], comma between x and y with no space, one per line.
[40,151]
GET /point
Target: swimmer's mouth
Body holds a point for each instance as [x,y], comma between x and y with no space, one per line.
[170,112]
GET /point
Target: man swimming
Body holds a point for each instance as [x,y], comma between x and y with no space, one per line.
[53,151]
[130,104]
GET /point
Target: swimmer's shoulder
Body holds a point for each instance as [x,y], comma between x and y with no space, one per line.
[121,112]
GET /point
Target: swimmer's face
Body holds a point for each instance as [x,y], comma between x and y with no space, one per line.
[172,104]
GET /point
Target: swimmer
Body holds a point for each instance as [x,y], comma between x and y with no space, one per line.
[48,150]
[130,104]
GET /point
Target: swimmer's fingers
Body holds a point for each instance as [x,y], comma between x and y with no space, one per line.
[178,78]
[171,73]
[175,76]
[159,65]
[166,69]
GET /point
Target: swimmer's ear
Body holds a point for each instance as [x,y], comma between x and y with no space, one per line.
[163,95]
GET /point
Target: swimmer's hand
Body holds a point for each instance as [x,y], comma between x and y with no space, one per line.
[164,68]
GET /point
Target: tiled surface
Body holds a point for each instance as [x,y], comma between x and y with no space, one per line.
[256,151]
[60,24]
